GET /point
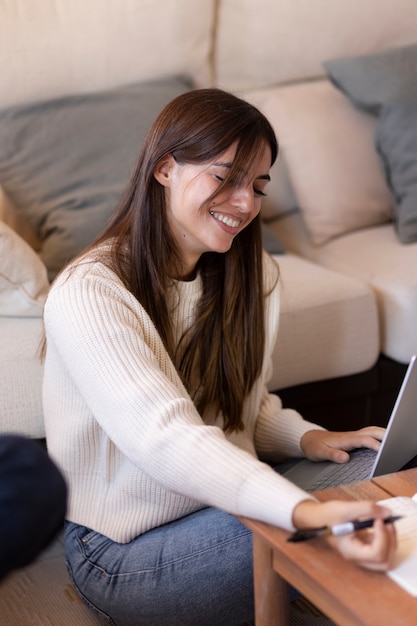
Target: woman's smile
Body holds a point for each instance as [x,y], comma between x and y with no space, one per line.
[232,224]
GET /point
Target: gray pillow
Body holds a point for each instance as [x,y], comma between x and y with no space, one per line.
[270,241]
[396,140]
[372,80]
[65,163]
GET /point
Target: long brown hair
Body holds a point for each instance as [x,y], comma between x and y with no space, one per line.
[224,348]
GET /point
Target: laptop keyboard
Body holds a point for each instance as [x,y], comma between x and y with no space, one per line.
[358,468]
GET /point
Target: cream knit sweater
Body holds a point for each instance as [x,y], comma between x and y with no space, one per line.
[120,424]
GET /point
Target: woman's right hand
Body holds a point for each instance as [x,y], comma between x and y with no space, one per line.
[372,549]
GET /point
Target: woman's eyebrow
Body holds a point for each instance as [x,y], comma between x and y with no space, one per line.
[221,164]
[229,166]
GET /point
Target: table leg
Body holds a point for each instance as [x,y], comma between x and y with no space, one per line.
[272,599]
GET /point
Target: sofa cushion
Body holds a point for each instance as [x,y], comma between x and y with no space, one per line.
[55,48]
[23,277]
[328,147]
[21,376]
[64,163]
[328,324]
[372,80]
[397,144]
[270,43]
[375,257]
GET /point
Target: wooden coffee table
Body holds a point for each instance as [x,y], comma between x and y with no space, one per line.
[346,593]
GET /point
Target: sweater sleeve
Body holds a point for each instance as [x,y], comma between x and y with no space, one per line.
[110,351]
[279,430]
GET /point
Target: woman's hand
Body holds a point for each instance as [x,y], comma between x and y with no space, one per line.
[372,549]
[324,445]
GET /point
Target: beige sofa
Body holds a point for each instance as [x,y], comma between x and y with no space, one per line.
[347,290]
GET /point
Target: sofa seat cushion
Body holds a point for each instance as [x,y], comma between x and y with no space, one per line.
[21,376]
[376,257]
[328,325]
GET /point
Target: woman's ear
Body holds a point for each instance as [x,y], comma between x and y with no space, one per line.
[163,171]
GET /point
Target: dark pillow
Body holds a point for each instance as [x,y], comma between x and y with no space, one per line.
[396,139]
[372,80]
[65,163]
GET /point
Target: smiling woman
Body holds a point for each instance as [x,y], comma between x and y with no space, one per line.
[158,346]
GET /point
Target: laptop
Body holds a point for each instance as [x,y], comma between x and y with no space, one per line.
[398,447]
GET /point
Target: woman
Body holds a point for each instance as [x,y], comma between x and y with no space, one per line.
[159,340]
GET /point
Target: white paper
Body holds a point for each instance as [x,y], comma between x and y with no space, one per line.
[404,570]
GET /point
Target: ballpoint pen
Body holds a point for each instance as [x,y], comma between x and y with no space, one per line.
[338,529]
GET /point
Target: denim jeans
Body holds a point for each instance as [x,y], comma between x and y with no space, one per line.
[195,571]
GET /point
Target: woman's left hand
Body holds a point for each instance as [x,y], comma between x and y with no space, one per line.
[324,445]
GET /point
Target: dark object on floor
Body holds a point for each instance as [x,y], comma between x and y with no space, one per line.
[33,498]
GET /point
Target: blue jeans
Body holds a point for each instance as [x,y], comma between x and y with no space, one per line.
[194,571]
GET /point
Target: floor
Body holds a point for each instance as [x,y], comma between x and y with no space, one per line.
[42,595]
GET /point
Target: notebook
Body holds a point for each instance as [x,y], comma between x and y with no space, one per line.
[398,447]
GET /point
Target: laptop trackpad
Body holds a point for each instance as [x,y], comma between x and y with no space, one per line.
[311,476]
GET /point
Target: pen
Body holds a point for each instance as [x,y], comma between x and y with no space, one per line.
[338,529]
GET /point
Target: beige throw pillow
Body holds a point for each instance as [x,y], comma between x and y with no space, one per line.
[23,277]
[332,163]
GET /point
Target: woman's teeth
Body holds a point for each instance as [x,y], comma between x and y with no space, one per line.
[226,220]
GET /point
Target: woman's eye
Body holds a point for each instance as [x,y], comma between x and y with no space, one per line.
[257,192]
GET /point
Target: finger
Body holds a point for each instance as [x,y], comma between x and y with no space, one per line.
[354,440]
[369,437]
[337,450]
[372,550]
[366,441]
[335,446]
[339,511]
[374,431]
[385,538]
[336,455]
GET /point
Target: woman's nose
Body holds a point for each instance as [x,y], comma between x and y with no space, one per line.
[243,199]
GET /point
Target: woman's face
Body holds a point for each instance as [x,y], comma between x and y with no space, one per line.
[212,229]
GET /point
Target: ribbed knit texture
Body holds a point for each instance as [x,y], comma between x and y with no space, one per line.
[120,424]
